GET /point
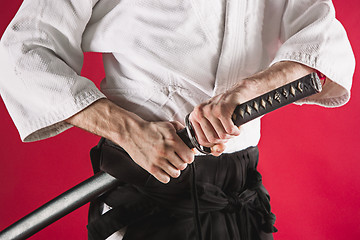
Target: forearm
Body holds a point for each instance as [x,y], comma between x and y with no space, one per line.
[273,77]
[106,119]
[212,119]
[155,146]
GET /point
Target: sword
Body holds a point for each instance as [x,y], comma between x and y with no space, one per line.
[102,182]
[256,107]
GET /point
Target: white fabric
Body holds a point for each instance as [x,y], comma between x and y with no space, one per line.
[161,57]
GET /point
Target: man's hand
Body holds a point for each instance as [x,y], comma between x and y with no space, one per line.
[155,146]
[212,119]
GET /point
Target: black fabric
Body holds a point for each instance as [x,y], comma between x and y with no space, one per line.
[230,200]
[95,205]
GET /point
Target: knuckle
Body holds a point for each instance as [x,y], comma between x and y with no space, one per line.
[172,137]
[228,125]
[206,144]
[229,130]
[198,112]
[199,107]
[234,130]
[153,170]
[217,111]
[225,116]
[168,125]
[190,157]
[212,135]
[212,138]
[157,162]
[225,109]
[161,150]
[202,141]
[222,135]
[177,125]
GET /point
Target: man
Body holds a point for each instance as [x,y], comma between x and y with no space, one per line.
[163,60]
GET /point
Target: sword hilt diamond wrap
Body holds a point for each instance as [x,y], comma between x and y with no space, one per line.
[254,108]
[102,182]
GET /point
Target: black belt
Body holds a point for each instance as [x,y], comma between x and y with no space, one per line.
[102,182]
[234,191]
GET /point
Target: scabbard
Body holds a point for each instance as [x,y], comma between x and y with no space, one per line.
[103,182]
[60,206]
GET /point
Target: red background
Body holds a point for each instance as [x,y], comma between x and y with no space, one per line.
[309,161]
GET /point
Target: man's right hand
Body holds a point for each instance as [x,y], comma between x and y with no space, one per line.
[155,146]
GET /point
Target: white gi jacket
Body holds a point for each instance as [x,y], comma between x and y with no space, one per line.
[161,57]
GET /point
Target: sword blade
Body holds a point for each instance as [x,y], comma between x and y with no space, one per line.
[103,182]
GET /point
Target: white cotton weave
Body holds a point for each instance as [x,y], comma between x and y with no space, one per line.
[161,57]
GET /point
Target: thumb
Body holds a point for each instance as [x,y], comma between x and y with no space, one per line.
[217,149]
[177,125]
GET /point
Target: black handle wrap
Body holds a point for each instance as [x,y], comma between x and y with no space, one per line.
[270,101]
[102,182]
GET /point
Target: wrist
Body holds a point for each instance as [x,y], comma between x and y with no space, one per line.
[121,123]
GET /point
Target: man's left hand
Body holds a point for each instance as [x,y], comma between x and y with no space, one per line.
[212,119]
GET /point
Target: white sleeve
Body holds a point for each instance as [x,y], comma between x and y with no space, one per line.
[311,35]
[40,64]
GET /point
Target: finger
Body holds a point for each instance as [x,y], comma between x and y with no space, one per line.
[208,128]
[200,135]
[229,126]
[177,125]
[182,154]
[168,168]
[159,174]
[223,136]
[178,162]
[211,126]
[217,149]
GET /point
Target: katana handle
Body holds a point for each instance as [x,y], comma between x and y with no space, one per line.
[270,101]
[103,182]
